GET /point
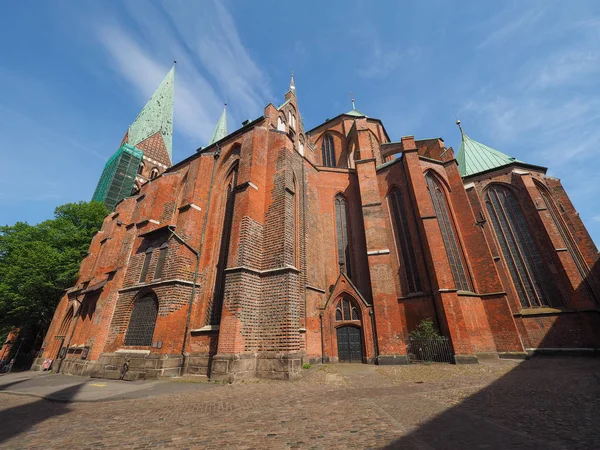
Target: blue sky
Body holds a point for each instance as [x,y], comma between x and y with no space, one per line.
[524,78]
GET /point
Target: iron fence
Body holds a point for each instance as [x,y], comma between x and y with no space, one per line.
[430,350]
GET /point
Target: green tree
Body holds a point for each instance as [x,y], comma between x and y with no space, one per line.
[38,262]
[425,330]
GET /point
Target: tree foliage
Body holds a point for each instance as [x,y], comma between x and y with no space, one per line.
[38,262]
[425,330]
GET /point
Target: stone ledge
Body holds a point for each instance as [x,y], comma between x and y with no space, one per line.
[512,355]
[465,359]
[590,351]
[390,360]
[551,311]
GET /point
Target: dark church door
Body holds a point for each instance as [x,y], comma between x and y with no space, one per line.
[349,344]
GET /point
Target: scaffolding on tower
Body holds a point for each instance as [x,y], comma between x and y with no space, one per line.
[118,177]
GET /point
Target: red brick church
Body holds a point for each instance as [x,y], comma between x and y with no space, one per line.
[274,246]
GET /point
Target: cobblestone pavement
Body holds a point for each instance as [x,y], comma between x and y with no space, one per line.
[542,403]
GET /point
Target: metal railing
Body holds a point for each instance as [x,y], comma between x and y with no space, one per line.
[430,350]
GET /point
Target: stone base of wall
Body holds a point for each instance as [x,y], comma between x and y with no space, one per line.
[388,360]
[465,359]
[141,365]
[37,364]
[279,366]
[593,352]
[73,366]
[512,355]
[198,364]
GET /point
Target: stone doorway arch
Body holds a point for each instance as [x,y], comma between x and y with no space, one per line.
[347,317]
[348,326]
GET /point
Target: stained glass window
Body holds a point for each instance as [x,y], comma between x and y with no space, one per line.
[345,310]
[328,151]
[214,312]
[525,264]
[160,264]
[404,242]
[142,322]
[343,247]
[451,242]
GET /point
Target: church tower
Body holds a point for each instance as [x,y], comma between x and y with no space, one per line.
[146,149]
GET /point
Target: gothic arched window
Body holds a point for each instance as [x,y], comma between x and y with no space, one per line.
[341,227]
[447,227]
[140,168]
[404,241]
[215,308]
[154,173]
[64,326]
[142,321]
[582,266]
[521,255]
[345,310]
[328,151]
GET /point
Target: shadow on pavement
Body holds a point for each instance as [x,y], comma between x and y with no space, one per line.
[16,420]
[547,402]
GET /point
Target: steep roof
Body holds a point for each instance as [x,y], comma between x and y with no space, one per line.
[221,128]
[157,116]
[474,157]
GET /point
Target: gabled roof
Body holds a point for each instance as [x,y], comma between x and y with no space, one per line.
[221,128]
[474,157]
[157,116]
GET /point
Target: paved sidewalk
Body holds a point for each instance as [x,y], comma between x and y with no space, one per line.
[548,403]
[69,389]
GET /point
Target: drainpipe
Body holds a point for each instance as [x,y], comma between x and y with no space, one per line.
[322,340]
[198,254]
[373,326]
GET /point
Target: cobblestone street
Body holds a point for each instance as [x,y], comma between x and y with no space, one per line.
[541,403]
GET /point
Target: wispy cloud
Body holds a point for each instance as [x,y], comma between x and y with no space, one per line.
[213,64]
[505,26]
[538,109]
[382,61]
[214,40]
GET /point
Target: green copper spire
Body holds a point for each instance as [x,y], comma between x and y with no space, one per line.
[474,157]
[157,116]
[221,128]
[354,112]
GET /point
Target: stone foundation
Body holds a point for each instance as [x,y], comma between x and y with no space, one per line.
[141,365]
[465,359]
[388,360]
[279,366]
[198,364]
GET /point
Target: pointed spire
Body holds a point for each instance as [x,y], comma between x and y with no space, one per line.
[354,112]
[474,157]
[292,85]
[221,128]
[156,116]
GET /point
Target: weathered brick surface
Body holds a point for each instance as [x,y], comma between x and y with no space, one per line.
[282,280]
